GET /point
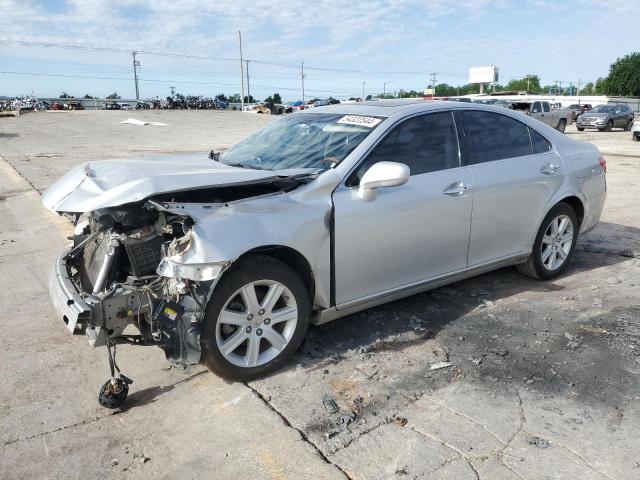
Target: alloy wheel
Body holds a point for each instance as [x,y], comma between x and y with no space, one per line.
[256,323]
[557,242]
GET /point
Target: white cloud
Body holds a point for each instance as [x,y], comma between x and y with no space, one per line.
[375,35]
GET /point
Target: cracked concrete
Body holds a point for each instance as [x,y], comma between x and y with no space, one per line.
[543,382]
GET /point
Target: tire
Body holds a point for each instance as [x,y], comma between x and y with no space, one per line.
[253,333]
[609,126]
[580,129]
[627,127]
[541,268]
[636,137]
[562,124]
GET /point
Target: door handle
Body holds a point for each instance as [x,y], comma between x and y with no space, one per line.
[549,168]
[457,188]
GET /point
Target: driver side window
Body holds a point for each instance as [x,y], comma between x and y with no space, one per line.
[426,143]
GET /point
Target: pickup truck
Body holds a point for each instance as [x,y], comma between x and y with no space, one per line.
[557,118]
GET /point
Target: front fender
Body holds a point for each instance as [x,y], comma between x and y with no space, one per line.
[219,238]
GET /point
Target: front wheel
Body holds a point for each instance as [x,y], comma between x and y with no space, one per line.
[256,319]
[627,127]
[562,124]
[609,126]
[580,129]
[554,244]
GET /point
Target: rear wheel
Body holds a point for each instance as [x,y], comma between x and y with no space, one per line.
[562,124]
[256,319]
[609,126]
[554,244]
[580,129]
[628,126]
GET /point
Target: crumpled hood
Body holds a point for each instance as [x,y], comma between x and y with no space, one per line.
[110,183]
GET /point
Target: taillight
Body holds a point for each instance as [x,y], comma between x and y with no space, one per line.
[603,164]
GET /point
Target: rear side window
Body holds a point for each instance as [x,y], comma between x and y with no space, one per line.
[538,142]
[545,107]
[492,136]
[427,143]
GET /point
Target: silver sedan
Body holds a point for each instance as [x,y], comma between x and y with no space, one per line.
[226,261]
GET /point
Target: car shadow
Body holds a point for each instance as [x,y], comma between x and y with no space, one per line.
[485,333]
[148,395]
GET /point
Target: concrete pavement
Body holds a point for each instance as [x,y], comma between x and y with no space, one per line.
[543,381]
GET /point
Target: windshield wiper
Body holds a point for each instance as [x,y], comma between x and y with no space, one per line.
[240,165]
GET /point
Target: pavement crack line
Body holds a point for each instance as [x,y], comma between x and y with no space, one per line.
[87,421]
[522,429]
[471,419]
[459,452]
[11,167]
[300,432]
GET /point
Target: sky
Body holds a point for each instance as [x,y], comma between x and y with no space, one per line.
[346,46]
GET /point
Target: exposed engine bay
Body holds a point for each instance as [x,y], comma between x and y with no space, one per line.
[117,265]
[113,262]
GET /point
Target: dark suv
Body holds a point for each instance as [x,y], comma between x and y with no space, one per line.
[606,117]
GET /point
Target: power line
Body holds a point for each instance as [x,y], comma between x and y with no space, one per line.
[230,59]
[209,57]
[154,80]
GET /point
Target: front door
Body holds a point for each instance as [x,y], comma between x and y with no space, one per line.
[409,233]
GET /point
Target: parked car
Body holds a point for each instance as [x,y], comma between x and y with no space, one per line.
[112,106]
[74,106]
[557,118]
[316,216]
[635,131]
[126,106]
[294,106]
[606,117]
[579,108]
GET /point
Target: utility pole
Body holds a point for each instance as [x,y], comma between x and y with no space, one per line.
[173,91]
[136,64]
[248,88]
[241,73]
[302,80]
[363,84]
[384,88]
[433,82]
[578,89]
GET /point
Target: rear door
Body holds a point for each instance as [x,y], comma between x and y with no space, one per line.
[412,232]
[549,117]
[515,174]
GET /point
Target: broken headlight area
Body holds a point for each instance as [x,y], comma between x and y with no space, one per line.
[115,267]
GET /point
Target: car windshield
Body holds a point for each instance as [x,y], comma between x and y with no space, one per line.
[302,140]
[603,109]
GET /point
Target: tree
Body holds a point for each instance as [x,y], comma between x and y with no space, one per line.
[624,76]
[65,95]
[87,96]
[249,99]
[277,98]
[588,89]
[235,98]
[113,96]
[529,83]
[600,87]
[221,97]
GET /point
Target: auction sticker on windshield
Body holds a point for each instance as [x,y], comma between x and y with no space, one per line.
[360,120]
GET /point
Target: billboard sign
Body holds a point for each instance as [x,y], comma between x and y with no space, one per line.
[483,74]
[430,91]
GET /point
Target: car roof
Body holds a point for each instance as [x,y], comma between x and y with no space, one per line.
[386,108]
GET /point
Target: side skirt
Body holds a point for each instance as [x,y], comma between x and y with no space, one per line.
[333,313]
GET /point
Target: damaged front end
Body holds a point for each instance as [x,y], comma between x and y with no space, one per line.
[121,280]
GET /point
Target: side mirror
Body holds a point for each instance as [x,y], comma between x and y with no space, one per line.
[382,174]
